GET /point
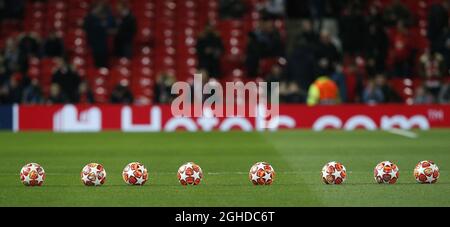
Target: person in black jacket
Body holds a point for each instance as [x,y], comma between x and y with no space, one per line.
[209,50]
[56,96]
[28,46]
[264,42]
[13,91]
[122,94]
[97,25]
[327,54]
[163,87]
[32,94]
[126,30]
[68,80]
[437,22]
[53,45]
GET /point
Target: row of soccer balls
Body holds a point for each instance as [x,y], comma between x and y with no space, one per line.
[261,173]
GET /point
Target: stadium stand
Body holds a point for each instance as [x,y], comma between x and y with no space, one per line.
[165,41]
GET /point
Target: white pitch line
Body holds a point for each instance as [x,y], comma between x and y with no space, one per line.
[404,133]
[227,173]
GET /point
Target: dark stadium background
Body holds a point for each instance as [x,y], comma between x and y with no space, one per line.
[98,51]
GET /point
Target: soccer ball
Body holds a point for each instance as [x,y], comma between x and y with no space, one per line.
[262,173]
[190,174]
[93,174]
[334,173]
[426,172]
[32,174]
[135,173]
[386,172]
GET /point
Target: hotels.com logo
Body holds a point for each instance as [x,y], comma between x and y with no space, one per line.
[69,119]
[366,122]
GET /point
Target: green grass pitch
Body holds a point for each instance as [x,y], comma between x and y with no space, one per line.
[297,157]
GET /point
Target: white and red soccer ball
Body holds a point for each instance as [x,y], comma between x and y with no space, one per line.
[426,172]
[334,173]
[386,172]
[190,174]
[135,173]
[262,173]
[32,174]
[93,174]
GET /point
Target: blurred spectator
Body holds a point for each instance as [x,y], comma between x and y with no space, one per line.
[231,9]
[264,42]
[12,91]
[437,22]
[375,15]
[163,87]
[85,94]
[122,94]
[4,74]
[308,34]
[432,68]
[326,54]
[3,94]
[317,10]
[372,94]
[401,52]
[28,46]
[11,56]
[126,30]
[341,81]
[56,96]
[444,95]
[32,94]
[53,45]
[290,92]
[432,65]
[301,64]
[396,12]
[376,43]
[97,25]
[276,74]
[272,9]
[323,91]
[389,94]
[67,78]
[443,47]
[422,96]
[352,29]
[209,51]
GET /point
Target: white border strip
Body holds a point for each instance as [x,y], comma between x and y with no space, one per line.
[15,117]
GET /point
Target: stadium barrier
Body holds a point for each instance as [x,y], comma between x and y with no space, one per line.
[6,118]
[83,118]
